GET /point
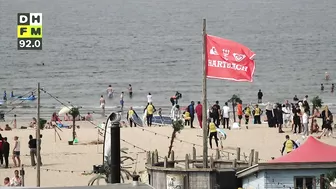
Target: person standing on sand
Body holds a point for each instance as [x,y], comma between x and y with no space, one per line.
[102,104]
[257,113]
[130,90]
[122,100]
[226,115]
[322,87]
[6,149]
[288,146]
[32,146]
[149,98]
[216,113]
[1,150]
[109,91]
[199,114]
[260,96]
[240,112]
[16,152]
[191,110]
[247,113]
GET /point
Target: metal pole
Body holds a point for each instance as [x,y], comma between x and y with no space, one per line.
[204,101]
[38,145]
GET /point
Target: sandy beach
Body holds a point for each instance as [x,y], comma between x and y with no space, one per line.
[64,165]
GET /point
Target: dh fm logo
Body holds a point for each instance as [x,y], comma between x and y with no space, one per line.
[29,31]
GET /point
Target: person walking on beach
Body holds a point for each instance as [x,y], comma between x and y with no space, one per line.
[216,113]
[191,110]
[288,146]
[149,98]
[102,104]
[296,119]
[226,115]
[260,96]
[150,111]
[199,113]
[14,121]
[212,133]
[122,100]
[16,152]
[129,116]
[240,112]
[109,91]
[130,90]
[6,149]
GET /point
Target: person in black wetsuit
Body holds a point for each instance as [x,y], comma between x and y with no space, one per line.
[260,95]
[296,119]
[216,114]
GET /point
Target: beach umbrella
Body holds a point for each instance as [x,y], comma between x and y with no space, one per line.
[64,110]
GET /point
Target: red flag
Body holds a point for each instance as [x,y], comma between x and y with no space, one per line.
[229,60]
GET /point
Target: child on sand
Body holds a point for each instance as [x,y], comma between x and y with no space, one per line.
[212,133]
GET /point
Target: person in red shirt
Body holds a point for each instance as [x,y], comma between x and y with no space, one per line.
[198,110]
[240,111]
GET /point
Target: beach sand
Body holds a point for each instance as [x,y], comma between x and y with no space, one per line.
[64,165]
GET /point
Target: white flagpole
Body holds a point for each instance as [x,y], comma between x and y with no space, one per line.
[204,100]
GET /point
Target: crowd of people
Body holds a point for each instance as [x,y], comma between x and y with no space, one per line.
[13,150]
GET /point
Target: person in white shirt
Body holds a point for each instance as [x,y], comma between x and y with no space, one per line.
[149,98]
[305,121]
[16,180]
[226,116]
[16,152]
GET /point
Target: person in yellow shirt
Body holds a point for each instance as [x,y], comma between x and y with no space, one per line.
[186,116]
[130,113]
[247,112]
[257,113]
[150,111]
[289,145]
[212,133]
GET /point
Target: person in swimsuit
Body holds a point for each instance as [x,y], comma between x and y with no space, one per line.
[130,90]
[109,91]
[122,100]
[102,104]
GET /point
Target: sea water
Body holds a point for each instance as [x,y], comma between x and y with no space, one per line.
[157,47]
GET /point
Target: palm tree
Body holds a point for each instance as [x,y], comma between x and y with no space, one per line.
[317,103]
[234,99]
[328,179]
[74,112]
[177,127]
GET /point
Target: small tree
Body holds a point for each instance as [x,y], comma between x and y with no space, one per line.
[74,112]
[177,127]
[234,100]
[317,103]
